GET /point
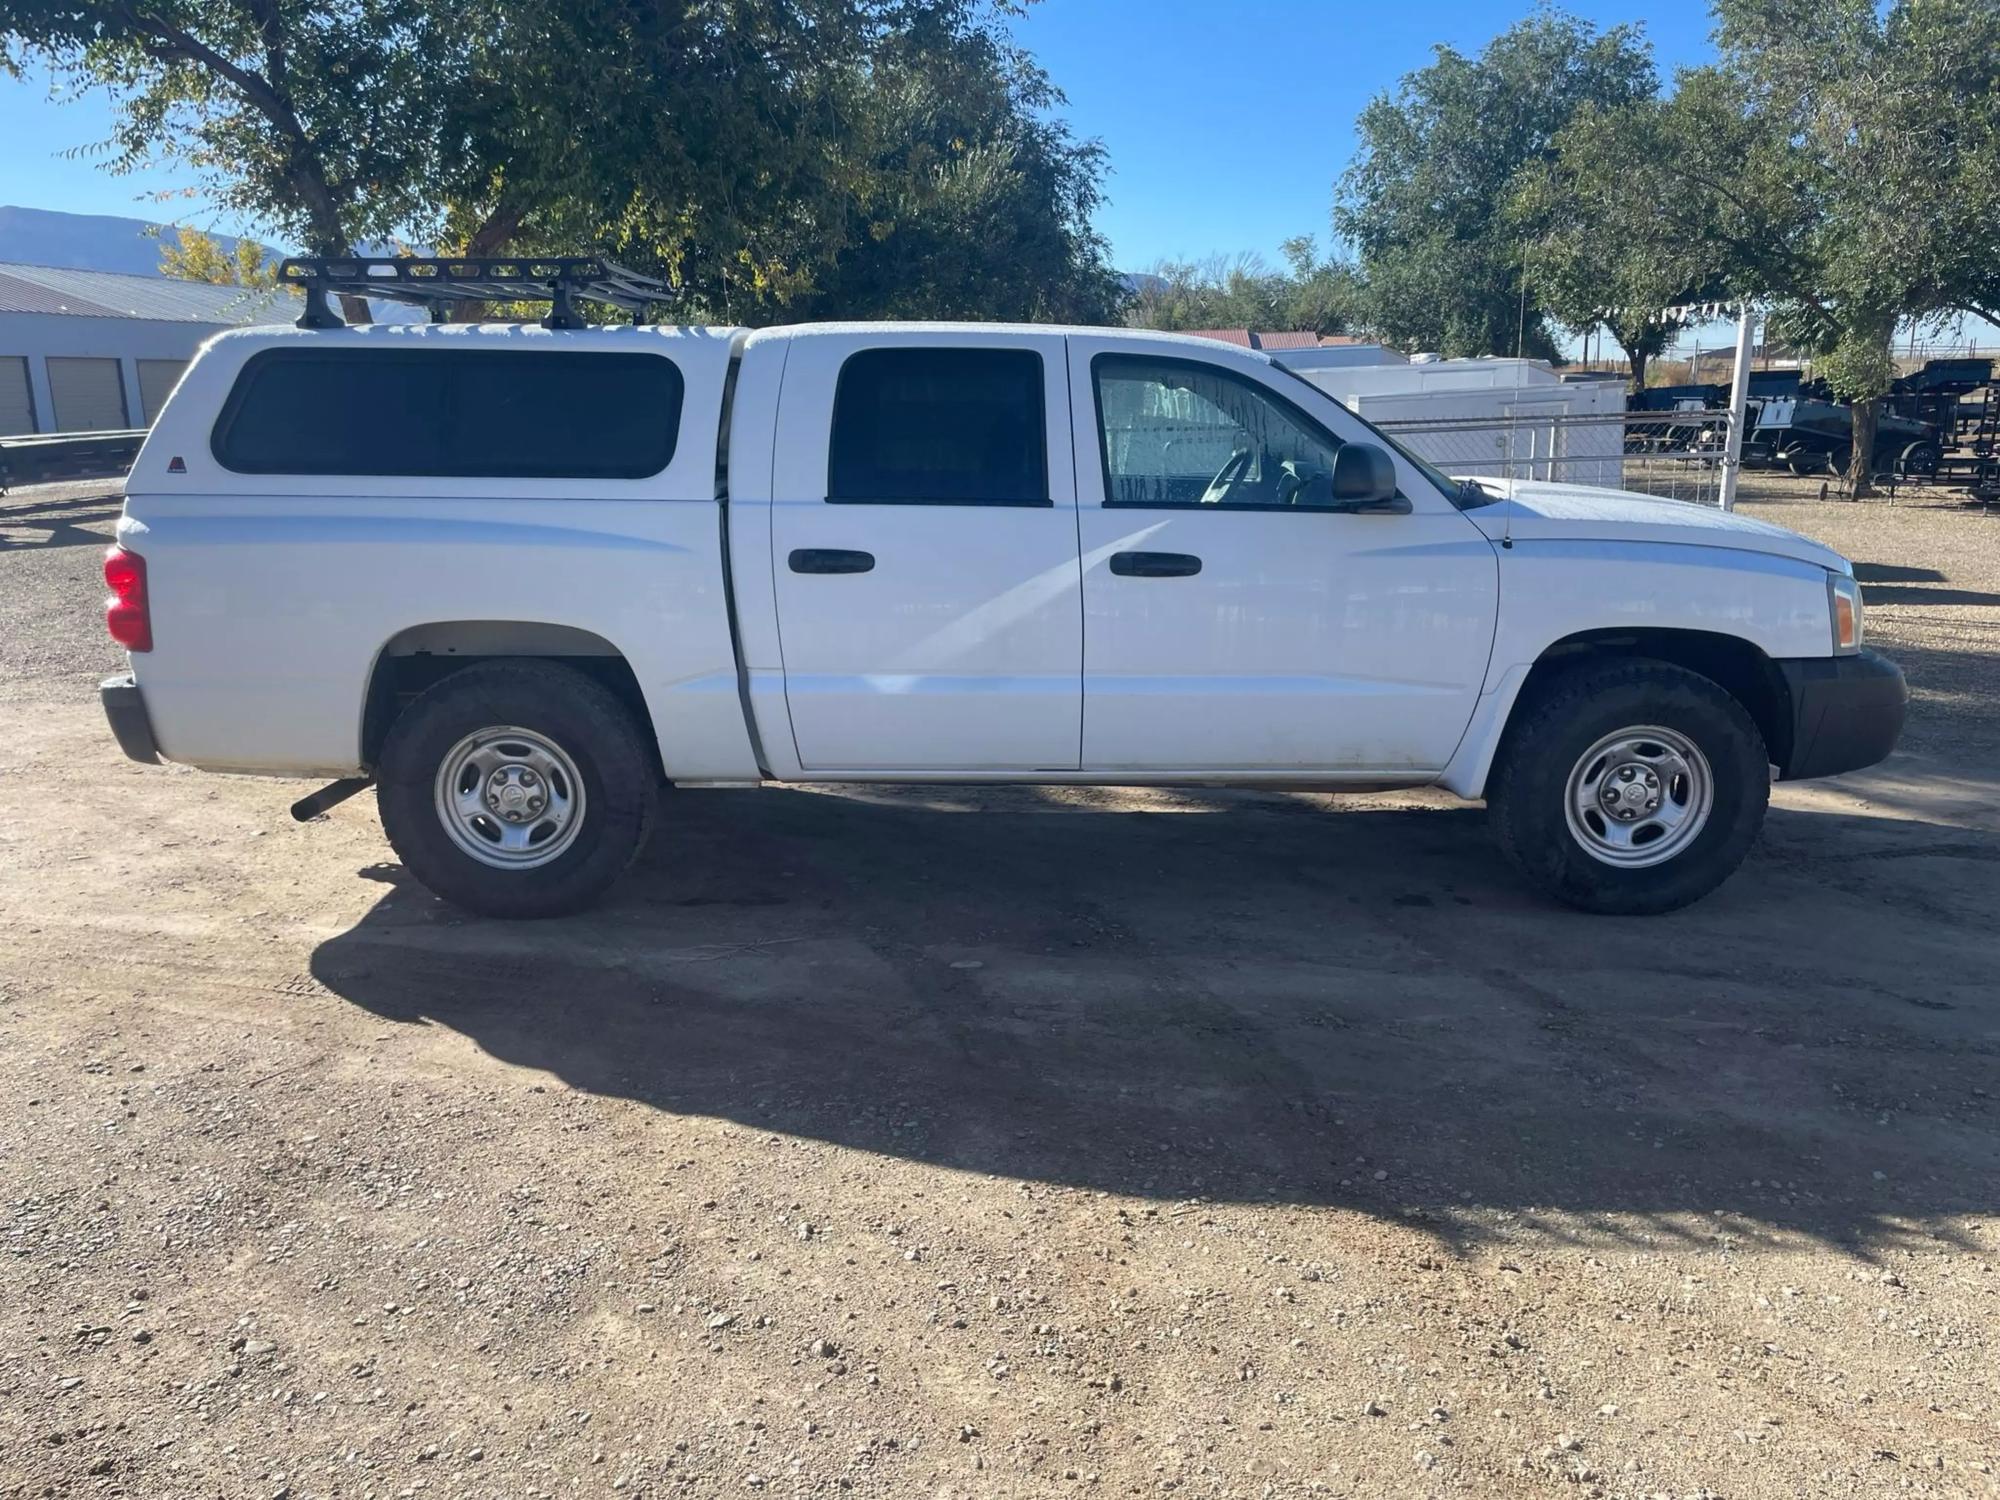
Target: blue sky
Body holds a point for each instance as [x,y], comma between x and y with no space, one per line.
[1226,125]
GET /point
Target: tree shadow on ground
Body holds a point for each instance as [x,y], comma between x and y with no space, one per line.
[1267,1002]
[27,522]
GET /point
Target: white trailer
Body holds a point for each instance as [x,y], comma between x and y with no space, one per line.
[1493,418]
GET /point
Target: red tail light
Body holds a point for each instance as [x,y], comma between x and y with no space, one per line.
[127,615]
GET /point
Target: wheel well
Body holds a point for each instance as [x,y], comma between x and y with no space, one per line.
[418,658]
[1732,663]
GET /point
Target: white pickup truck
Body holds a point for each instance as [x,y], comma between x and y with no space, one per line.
[522,579]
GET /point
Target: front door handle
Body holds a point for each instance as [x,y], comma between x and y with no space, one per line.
[1155,564]
[831,560]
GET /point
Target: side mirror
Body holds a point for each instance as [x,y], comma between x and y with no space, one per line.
[1364,478]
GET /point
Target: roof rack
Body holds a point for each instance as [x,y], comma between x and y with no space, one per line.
[436,282]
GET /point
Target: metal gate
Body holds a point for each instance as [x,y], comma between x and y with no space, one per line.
[1673,455]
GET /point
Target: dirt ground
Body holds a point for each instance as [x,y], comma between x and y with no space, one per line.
[994,1144]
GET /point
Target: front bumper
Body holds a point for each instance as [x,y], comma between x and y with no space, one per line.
[125,707]
[1847,712]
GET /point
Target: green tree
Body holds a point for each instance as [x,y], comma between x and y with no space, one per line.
[747,150]
[1596,253]
[1838,163]
[190,255]
[1425,201]
[1319,295]
[1309,294]
[1223,291]
[316,121]
[696,139]
[1689,194]
[1889,124]
[965,195]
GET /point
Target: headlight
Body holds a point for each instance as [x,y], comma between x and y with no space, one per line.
[1845,598]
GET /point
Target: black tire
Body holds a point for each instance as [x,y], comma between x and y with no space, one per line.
[1562,719]
[619,793]
[1919,460]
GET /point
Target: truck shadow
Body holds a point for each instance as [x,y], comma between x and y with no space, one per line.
[1252,999]
[1883,583]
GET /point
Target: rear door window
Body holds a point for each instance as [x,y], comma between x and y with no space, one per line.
[471,413]
[922,426]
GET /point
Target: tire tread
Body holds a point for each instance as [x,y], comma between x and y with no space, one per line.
[1531,829]
[601,735]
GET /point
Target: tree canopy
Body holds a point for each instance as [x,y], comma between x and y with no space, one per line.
[1425,201]
[1309,293]
[190,255]
[1596,252]
[1838,163]
[320,122]
[966,196]
[763,155]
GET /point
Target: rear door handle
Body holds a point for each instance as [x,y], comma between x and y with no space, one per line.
[831,560]
[1155,564]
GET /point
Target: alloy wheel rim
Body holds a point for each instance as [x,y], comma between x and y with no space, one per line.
[1639,796]
[510,798]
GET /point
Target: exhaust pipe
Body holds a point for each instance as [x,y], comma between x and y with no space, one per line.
[308,808]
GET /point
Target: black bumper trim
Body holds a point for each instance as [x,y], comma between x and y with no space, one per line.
[125,707]
[1847,712]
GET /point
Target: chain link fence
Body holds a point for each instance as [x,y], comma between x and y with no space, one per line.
[1676,455]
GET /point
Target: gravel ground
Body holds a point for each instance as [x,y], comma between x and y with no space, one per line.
[999,1143]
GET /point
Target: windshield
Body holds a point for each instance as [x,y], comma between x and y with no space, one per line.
[1463,493]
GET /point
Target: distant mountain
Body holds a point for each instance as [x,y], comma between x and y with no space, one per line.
[83,242]
[106,242]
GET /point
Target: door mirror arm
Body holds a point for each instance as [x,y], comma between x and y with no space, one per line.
[1388,505]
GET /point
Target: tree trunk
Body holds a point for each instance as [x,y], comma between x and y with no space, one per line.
[326,239]
[492,237]
[1861,463]
[1640,341]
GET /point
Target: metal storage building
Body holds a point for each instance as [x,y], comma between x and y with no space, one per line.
[84,351]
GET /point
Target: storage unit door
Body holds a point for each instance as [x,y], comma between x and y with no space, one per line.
[157,379]
[17,406]
[88,396]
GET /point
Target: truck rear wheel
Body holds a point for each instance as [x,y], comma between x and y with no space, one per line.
[516,789]
[1630,787]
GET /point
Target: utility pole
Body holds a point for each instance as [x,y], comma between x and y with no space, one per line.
[1739,398]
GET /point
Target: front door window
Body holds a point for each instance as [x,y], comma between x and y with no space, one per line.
[1179,432]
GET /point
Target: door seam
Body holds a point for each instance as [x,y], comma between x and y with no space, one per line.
[1076,516]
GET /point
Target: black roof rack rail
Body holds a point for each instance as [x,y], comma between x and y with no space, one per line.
[436,282]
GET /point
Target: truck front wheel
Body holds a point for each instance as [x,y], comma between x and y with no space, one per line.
[516,789]
[1630,787]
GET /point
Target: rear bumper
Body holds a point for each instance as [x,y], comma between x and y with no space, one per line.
[1847,712]
[125,707]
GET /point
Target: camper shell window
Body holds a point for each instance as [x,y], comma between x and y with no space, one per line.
[455,413]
